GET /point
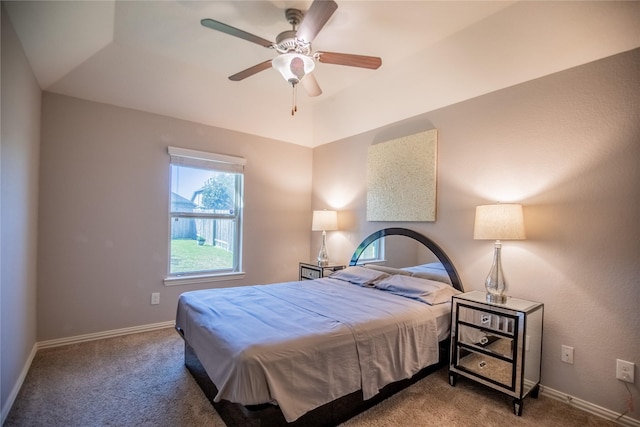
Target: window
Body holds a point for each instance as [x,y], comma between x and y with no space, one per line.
[205,213]
[372,253]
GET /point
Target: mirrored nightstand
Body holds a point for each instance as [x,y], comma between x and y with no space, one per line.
[310,271]
[498,345]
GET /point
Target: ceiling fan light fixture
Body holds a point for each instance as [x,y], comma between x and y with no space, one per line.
[293,66]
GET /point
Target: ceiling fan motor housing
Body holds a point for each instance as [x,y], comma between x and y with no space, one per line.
[286,41]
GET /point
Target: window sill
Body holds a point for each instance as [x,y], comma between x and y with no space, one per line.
[372,261]
[205,278]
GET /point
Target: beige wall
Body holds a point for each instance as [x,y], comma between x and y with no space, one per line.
[566,146]
[104,213]
[18,213]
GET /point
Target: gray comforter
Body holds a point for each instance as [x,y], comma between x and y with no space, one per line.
[303,344]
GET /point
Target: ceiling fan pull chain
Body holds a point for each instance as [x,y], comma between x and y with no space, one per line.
[294,97]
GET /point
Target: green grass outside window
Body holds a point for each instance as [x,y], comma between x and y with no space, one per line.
[188,256]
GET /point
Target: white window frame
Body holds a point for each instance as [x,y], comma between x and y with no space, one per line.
[216,162]
[378,254]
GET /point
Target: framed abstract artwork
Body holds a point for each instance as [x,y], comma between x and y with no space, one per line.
[401,178]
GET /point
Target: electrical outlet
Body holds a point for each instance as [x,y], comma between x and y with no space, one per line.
[567,354]
[625,371]
[155,298]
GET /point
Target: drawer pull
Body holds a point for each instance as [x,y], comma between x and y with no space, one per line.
[482,364]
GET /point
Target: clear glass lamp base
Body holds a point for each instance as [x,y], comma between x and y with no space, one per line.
[323,256]
[495,284]
[496,299]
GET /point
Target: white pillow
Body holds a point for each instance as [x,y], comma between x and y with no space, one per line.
[428,291]
[358,275]
[389,270]
[432,271]
[439,277]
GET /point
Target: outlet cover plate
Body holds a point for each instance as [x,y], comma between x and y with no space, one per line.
[567,354]
[625,371]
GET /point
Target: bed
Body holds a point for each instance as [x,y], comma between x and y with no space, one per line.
[317,352]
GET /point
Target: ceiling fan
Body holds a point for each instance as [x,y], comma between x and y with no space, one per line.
[296,60]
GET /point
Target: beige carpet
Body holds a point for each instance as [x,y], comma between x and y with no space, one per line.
[140,380]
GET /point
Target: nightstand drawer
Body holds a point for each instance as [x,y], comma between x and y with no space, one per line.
[308,273]
[487,320]
[487,341]
[487,367]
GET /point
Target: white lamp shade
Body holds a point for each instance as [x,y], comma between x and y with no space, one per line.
[324,220]
[501,221]
[293,66]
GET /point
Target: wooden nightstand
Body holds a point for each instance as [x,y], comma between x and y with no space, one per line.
[498,345]
[310,271]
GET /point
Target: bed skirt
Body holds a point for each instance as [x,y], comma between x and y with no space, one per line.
[268,415]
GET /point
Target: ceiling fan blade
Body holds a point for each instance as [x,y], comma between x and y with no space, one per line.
[250,71]
[311,85]
[372,62]
[315,18]
[232,31]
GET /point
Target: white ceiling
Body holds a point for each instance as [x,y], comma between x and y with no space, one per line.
[155,56]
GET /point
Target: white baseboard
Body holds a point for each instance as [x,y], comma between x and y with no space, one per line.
[16,388]
[589,407]
[73,340]
[102,335]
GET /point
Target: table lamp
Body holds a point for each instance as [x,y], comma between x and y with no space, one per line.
[324,221]
[501,221]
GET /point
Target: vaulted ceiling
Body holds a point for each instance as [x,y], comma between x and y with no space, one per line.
[155,56]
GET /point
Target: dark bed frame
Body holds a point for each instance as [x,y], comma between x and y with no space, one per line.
[341,409]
